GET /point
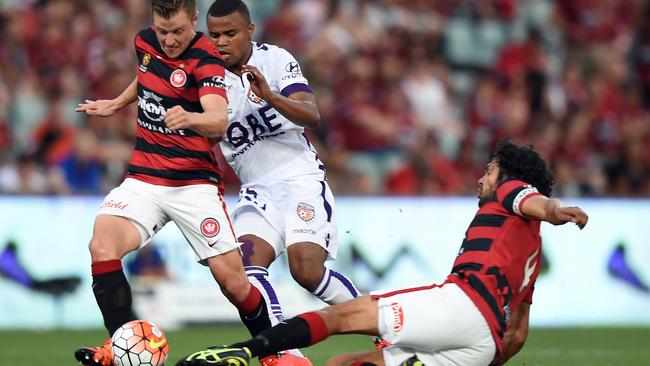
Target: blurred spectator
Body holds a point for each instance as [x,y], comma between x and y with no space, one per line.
[284,28]
[53,137]
[432,102]
[524,63]
[27,176]
[587,22]
[147,265]
[640,55]
[427,172]
[25,111]
[81,168]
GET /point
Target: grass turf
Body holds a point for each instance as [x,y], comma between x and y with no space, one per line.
[557,347]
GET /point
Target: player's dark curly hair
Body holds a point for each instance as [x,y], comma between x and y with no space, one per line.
[525,164]
[169,8]
[221,8]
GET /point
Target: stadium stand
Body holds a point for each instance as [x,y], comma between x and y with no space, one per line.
[413,93]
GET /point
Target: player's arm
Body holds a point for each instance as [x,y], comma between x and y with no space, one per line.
[105,107]
[553,211]
[515,336]
[299,107]
[212,122]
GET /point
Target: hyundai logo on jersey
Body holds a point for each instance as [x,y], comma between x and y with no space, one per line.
[292,67]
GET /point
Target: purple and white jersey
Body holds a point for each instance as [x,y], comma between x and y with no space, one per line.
[261,145]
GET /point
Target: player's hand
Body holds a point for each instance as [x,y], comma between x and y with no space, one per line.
[102,107]
[259,85]
[572,214]
[177,118]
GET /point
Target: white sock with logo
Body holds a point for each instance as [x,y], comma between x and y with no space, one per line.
[335,288]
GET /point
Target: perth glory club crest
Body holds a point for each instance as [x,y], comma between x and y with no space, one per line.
[305,212]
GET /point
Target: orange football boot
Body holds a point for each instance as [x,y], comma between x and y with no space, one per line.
[95,356]
[284,359]
[380,343]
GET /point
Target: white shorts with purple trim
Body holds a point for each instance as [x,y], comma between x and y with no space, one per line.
[288,212]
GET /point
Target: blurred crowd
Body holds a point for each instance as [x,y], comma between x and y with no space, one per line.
[413,94]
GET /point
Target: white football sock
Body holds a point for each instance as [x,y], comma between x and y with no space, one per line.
[335,288]
[259,277]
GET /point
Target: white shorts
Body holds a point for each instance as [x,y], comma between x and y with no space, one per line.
[198,210]
[288,212]
[438,323]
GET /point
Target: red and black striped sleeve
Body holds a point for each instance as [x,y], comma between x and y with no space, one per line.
[511,194]
[210,71]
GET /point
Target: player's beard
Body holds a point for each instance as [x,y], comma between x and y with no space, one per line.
[483,198]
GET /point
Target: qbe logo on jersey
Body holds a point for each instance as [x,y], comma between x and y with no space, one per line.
[210,227]
[178,78]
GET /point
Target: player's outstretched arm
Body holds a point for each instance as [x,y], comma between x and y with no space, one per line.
[106,107]
[553,211]
[299,108]
[212,122]
[517,333]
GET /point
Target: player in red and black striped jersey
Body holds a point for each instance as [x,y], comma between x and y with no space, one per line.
[172,149]
[173,174]
[499,259]
[477,316]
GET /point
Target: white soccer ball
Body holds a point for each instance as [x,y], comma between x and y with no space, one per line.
[139,342]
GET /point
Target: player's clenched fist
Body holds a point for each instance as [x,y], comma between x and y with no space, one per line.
[177,118]
[572,214]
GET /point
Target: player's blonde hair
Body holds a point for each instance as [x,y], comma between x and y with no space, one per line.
[169,8]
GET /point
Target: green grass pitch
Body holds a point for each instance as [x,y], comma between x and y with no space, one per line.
[556,347]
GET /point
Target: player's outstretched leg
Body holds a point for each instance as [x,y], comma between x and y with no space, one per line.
[298,332]
[334,287]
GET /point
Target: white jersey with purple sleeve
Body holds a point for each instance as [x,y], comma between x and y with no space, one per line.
[261,145]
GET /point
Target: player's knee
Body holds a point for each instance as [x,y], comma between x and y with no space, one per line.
[102,250]
[307,272]
[256,252]
[307,264]
[113,237]
[235,288]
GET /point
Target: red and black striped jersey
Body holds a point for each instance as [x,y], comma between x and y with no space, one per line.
[498,262]
[162,156]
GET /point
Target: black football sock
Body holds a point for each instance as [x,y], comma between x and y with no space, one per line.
[113,294]
[302,331]
[253,312]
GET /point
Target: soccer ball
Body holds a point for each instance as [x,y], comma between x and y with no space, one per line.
[139,342]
